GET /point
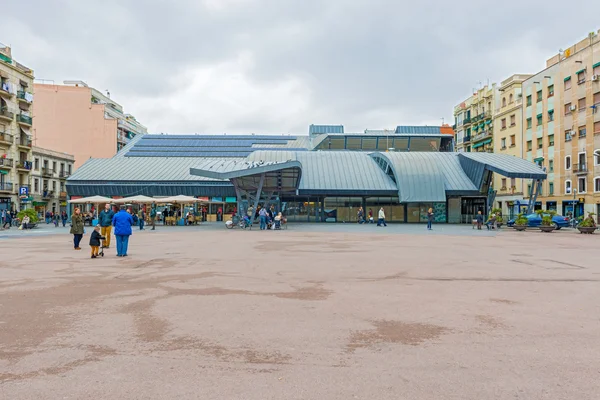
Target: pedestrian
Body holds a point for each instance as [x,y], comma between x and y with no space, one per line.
[3,219]
[220,214]
[430,217]
[479,219]
[262,214]
[7,222]
[360,215]
[95,241]
[48,215]
[371,220]
[491,223]
[56,218]
[63,217]
[122,221]
[142,218]
[381,218]
[105,222]
[77,228]
[153,216]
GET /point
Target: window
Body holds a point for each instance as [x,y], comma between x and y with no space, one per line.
[581,185]
[596,98]
[581,77]
[596,69]
[54,166]
[568,83]
[582,131]
[70,166]
[513,120]
[550,140]
[540,143]
[568,135]
[503,183]
[503,123]
[539,95]
[567,108]
[45,163]
[551,188]
[36,185]
[597,157]
[62,168]
[62,187]
[37,163]
[510,99]
[539,119]
[529,100]
[550,90]
[503,143]
[550,115]
[568,162]
[513,141]
[567,187]
[529,144]
[597,184]
[54,186]
[596,127]
[528,123]
[581,104]
[504,102]
[513,183]
[529,192]
[550,165]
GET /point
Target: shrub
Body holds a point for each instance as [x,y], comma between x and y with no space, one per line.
[498,213]
[589,222]
[546,216]
[31,213]
[521,220]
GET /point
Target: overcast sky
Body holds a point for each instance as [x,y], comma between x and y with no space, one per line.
[276,66]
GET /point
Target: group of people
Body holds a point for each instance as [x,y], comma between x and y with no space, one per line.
[122,222]
[6,218]
[268,217]
[360,215]
[56,218]
[491,223]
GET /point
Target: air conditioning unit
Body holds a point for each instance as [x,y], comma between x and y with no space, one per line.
[573,107]
[596,78]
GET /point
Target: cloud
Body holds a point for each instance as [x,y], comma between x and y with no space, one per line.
[279,65]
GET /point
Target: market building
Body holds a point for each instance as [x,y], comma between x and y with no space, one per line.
[321,177]
[49,176]
[16,102]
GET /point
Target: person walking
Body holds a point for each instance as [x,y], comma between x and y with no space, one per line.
[7,220]
[479,219]
[360,215]
[95,241]
[141,218]
[122,221]
[262,214]
[153,216]
[371,216]
[430,217]
[381,218]
[63,217]
[105,222]
[77,228]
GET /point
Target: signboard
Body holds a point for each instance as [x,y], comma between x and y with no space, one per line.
[218,199]
[24,191]
[203,198]
[230,200]
[5,200]
[582,200]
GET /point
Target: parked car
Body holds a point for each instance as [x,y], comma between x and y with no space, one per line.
[535,220]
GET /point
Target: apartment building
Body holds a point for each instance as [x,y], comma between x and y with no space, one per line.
[508,139]
[16,102]
[473,121]
[49,176]
[562,128]
[80,120]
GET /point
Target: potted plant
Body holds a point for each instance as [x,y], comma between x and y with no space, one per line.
[32,214]
[521,222]
[588,225]
[498,213]
[547,223]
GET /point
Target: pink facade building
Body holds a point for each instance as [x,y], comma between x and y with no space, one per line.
[79,120]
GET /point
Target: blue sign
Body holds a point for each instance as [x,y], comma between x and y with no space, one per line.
[23,191]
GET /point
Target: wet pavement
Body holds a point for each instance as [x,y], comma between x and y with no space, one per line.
[315,312]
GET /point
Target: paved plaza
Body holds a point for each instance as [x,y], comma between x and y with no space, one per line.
[315,312]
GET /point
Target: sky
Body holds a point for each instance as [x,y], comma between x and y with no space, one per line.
[277,66]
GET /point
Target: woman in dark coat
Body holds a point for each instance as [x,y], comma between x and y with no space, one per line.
[77,228]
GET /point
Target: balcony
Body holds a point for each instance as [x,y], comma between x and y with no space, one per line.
[23,96]
[62,195]
[6,163]
[25,143]
[25,120]
[6,115]
[5,93]
[466,121]
[24,165]
[6,187]
[466,139]
[580,169]
[47,172]
[6,138]
[64,174]
[482,135]
[47,194]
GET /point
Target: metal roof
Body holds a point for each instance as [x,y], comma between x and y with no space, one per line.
[316,129]
[418,129]
[339,171]
[245,169]
[151,169]
[509,166]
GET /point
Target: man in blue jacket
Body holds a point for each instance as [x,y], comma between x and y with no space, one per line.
[105,220]
[122,221]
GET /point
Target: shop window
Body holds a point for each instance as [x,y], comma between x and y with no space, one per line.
[567,187]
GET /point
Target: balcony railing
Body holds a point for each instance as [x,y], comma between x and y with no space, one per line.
[47,171]
[48,194]
[466,121]
[22,95]
[25,142]
[6,187]
[6,162]
[580,168]
[64,174]
[466,139]
[6,138]
[4,113]
[24,119]
[482,135]
[24,164]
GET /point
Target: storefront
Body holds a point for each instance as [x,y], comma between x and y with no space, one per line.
[573,208]
[5,204]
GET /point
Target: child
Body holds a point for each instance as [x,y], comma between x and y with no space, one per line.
[95,241]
